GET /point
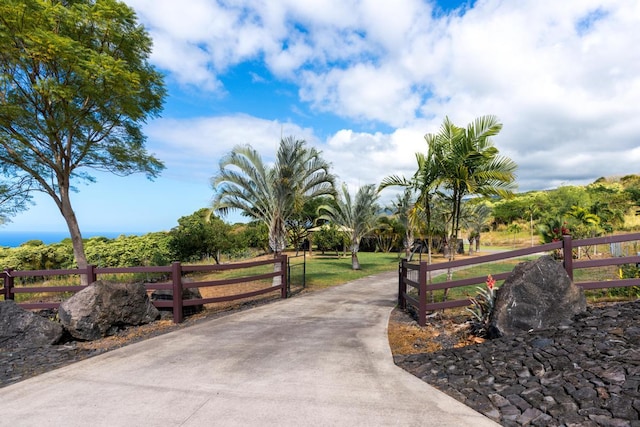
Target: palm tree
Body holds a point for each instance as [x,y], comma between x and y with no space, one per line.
[271,194]
[401,208]
[514,228]
[425,182]
[475,218]
[471,164]
[356,218]
[387,232]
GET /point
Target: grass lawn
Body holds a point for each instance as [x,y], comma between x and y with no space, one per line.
[329,270]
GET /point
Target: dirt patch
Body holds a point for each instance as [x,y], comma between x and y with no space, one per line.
[443,331]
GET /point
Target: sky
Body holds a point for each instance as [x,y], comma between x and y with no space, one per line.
[363,81]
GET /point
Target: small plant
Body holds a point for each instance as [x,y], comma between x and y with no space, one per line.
[552,231]
[482,307]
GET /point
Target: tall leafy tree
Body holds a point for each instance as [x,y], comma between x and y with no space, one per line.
[476,217]
[401,208]
[75,88]
[425,183]
[299,224]
[201,235]
[387,233]
[272,194]
[471,164]
[356,217]
[329,237]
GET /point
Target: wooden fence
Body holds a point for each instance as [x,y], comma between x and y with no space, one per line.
[176,283]
[414,275]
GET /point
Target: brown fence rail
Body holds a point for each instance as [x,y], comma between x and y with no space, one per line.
[413,276]
[177,284]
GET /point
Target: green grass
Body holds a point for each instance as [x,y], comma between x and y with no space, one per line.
[322,271]
[482,270]
[326,270]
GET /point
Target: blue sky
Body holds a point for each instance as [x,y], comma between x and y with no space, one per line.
[363,81]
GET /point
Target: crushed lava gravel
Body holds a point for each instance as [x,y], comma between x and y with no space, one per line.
[586,374]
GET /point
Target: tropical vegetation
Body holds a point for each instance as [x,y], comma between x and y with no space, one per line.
[76,87]
[273,195]
[355,217]
[459,163]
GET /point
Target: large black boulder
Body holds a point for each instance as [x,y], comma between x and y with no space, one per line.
[22,328]
[103,307]
[537,295]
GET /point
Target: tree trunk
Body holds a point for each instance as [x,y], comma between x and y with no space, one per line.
[531,228]
[355,264]
[74,230]
[277,268]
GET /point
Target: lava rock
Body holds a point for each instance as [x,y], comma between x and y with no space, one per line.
[22,328]
[538,294]
[102,308]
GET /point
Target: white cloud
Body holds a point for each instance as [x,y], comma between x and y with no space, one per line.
[193,147]
[363,92]
[563,77]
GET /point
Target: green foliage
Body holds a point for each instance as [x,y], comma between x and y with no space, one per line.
[125,251]
[256,235]
[276,194]
[563,199]
[626,271]
[75,89]
[629,271]
[130,251]
[355,218]
[300,222]
[400,227]
[470,164]
[329,238]
[387,233]
[631,185]
[459,162]
[553,230]
[201,236]
[14,198]
[35,255]
[584,224]
[527,206]
[590,211]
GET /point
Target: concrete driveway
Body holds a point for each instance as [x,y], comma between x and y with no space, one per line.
[320,359]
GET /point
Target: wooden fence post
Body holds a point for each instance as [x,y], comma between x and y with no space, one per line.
[283,272]
[567,253]
[90,272]
[422,279]
[8,285]
[176,277]
[402,284]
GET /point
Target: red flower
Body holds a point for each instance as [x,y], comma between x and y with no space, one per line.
[490,282]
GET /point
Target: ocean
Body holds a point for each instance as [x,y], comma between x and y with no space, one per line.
[14,239]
